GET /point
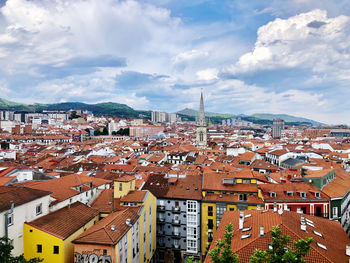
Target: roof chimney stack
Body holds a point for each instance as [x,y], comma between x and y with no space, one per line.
[347,250]
[241,220]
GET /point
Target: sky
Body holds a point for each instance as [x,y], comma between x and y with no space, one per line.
[277,56]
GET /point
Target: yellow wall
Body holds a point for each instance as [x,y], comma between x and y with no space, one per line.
[150,201]
[129,244]
[205,219]
[31,239]
[126,188]
[66,248]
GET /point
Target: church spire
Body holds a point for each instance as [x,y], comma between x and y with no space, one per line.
[201,115]
[201,131]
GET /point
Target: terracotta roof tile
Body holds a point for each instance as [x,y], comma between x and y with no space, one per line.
[65,221]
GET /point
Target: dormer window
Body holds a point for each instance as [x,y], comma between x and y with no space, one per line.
[272,194]
[289,193]
[303,195]
[317,194]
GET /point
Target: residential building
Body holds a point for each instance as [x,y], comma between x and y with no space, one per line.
[19,205]
[178,216]
[252,230]
[295,197]
[226,192]
[50,237]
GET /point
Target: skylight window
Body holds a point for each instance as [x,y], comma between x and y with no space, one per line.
[246,229]
[310,224]
[317,233]
[246,216]
[245,236]
[264,211]
[321,246]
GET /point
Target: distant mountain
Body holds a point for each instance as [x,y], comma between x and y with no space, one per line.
[123,110]
[286,118]
[194,113]
[105,108]
[259,118]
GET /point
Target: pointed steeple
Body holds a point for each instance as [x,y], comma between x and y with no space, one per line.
[201,116]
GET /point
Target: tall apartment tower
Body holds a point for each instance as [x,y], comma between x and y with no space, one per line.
[277,127]
[201,132]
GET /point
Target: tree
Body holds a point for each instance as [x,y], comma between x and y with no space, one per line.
[6,257]
[278,250]
[222,253]
[74,115]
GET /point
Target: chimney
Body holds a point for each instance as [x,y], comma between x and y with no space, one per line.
[128,222]
[241,220]
[262,233]
[347,250]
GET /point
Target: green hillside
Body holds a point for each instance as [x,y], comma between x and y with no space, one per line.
[106,108]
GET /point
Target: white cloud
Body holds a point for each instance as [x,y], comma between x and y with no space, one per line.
[308,40]
[207,74]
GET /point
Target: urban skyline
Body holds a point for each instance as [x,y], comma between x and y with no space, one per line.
[289,58]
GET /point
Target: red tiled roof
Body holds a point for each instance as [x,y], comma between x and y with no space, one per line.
[334,237]
[103,233]
[65,221]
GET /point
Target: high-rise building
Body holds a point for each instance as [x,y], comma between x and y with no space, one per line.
[160,116]
[277,127]
[201,132]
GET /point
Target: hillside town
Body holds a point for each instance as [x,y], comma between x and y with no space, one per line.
[75,187]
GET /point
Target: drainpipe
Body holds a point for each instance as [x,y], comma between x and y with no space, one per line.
[7,220]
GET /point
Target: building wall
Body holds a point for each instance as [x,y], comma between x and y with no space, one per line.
[32,239]
[126,187]
[86,197]
[33,236]
[148,228]
[21,214]
[83,253]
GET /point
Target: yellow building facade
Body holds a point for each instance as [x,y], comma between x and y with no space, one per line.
[216,202]
[48,246]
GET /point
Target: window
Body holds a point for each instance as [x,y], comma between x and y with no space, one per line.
[191,206]
[272,194]
[289,193]
[246,181]
[10,219]
[56,249]
[303,195]
[38,209]
[120,187]
[220,210]
[210,224]
[120,251]
[39,248]
[210,236]
[210,211]
[335,211]
[242,197]
[105,252]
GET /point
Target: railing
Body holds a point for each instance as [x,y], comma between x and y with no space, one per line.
[176,222]
[176,209]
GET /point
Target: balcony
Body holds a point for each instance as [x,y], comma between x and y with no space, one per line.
[176,235]
[176,222]
[176,246]
[160,233]
[176,209]
[160,221]
[161,208]
[160,244]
